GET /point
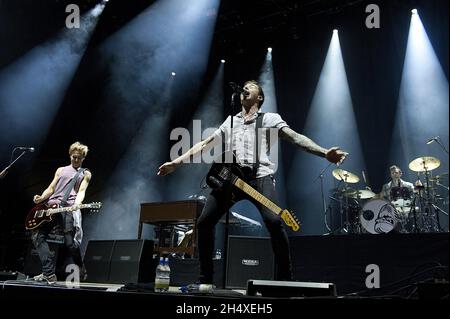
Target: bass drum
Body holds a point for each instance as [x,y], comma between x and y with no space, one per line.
[378,216]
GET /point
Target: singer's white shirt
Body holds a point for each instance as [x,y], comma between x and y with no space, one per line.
[244,140]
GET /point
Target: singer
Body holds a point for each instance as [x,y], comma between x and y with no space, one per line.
[63,193]
[246,123]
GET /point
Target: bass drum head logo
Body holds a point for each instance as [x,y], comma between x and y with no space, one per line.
[378,216]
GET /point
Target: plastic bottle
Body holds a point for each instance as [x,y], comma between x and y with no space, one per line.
[166,274]
[159,276]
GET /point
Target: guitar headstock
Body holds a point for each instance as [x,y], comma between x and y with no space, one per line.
[290,220]
[94,207]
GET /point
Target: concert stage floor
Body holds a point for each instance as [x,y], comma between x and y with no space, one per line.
[107,299]
[412,267]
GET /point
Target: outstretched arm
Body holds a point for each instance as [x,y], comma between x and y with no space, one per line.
[334,154]
[169,167]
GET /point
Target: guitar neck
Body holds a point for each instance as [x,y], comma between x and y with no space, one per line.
[62,209]
[257,196]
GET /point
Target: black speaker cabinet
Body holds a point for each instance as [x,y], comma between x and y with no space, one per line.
[248,258]
[119,261]
[131,261]
[97,260]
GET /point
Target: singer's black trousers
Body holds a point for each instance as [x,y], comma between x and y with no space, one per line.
[218,203]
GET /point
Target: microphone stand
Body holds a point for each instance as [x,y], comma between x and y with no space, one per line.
[325,210]
[227,216]
[438,140]
[5,170]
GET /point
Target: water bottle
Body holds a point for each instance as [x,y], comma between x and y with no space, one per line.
[166,274]
[159,276]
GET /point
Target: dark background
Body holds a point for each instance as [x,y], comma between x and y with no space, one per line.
[299,32]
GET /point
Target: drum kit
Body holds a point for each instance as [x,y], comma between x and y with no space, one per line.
[410,209]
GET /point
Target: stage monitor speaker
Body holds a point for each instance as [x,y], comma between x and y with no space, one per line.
[12,275]
[272,288]
[97,260]
[248,258]
[131,261]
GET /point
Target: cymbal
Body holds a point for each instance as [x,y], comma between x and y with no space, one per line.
[425,163]
[344,175]
[361,194]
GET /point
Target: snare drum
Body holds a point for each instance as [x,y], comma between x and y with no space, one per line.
[378,216]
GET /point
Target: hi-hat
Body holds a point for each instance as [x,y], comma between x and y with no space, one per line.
[343,175]
[424,164]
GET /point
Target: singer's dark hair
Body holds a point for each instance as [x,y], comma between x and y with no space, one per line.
[261,92]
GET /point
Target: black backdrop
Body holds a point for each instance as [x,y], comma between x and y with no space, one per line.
[373,61]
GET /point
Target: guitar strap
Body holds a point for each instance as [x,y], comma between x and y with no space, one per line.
[258,142]
[254,168]
[70,186]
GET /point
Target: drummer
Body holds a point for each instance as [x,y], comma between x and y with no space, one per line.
[396,181]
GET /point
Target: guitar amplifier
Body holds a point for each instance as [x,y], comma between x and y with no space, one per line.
[248,258]
[119,261]
[131,261]
[97,260]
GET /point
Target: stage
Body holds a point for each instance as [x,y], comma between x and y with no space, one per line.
[359,267]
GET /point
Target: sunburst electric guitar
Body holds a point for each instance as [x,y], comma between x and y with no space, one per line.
[43,213]
[223,175]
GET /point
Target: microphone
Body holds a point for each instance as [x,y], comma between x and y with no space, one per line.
[236,88]
[29,149]
[431,140]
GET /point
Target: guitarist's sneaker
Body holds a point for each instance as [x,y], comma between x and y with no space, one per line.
[51,279]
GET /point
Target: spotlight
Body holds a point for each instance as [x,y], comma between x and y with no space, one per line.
[173,74]
[104,1]
[222,61]
[414,11]
[269,49]
[335,31]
